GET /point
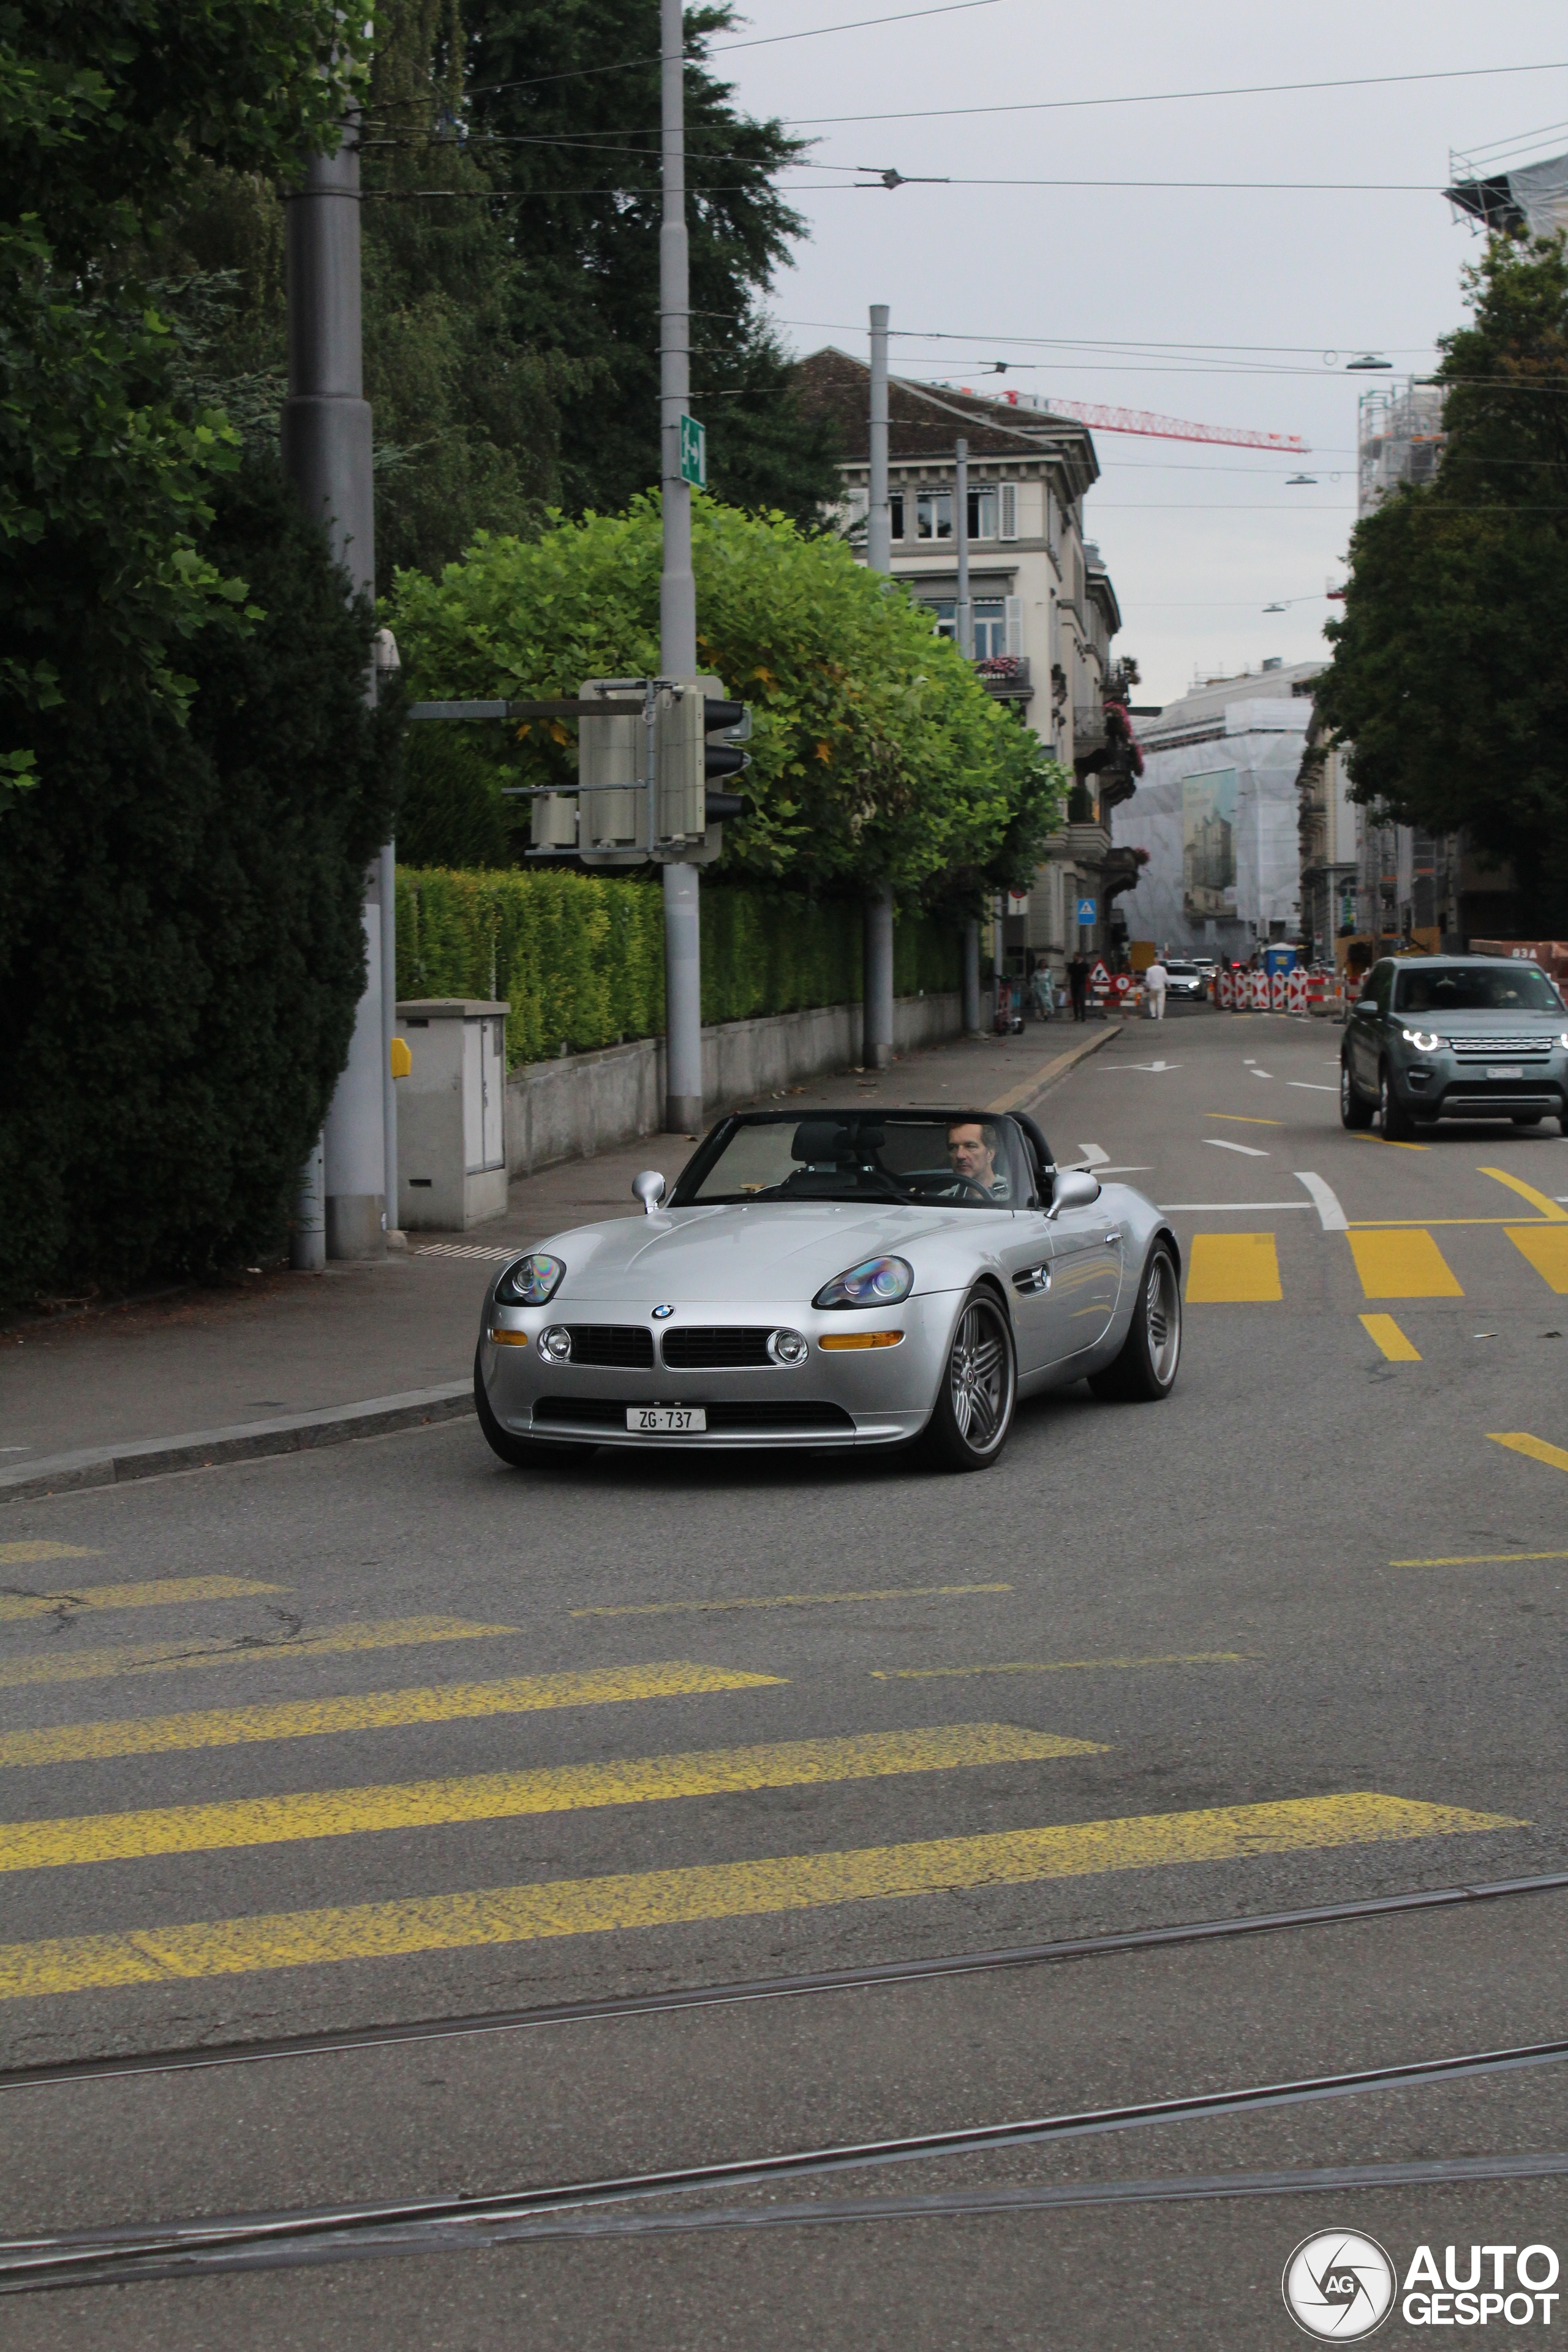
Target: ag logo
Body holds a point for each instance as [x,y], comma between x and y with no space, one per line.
[1339,2286]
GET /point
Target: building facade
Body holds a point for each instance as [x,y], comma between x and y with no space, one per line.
[1043,608]
[1215,818]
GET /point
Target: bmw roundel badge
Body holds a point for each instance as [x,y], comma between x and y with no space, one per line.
[660,1312]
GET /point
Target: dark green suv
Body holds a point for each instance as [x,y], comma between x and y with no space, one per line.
[1436,1037]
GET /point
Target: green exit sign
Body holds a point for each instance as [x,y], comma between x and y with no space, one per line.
[693,453]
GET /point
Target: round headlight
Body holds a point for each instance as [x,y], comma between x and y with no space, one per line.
[875,1281]
[555,1343]
[786,1347]
[529,1281]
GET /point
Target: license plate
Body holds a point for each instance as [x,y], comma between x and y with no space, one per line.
[658,1419]
[1506,1070]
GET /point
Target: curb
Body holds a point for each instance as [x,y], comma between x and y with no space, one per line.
[204,1449]
[1022,1095]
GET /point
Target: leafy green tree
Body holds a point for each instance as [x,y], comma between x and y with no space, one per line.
[181,931]
[876,754]
[1449,677]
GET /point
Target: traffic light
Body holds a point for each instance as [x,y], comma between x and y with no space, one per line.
[611,753]
[685,716]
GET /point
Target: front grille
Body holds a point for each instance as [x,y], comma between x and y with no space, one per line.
[1488,1101]
[706,1347]
[1471,1048]
[624,1346]
[601,1413]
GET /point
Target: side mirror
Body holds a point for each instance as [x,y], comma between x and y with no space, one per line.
[649,1188]
[1076,1189]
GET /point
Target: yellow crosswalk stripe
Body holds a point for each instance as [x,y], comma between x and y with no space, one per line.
[789,1600]
[1060,1666]
[1552,1211]
[162,1592]
[1232,1269]
[1391,1339]
[735,1890]
[1403,1265]
[1519,1441]
[1546,1247]
[501,1796]
[13,1555]
[306,1718]
[159,1658]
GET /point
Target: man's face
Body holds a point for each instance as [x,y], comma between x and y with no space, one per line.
[971,1155]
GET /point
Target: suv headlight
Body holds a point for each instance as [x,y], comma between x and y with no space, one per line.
[529,1281]
[875,1281]
[1426,1041]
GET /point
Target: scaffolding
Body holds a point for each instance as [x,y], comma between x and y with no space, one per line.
[1399,439]
[1514,187]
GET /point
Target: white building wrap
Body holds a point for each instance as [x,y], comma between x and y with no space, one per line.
[1216,810]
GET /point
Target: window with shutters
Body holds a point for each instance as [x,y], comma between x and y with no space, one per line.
[1014,625]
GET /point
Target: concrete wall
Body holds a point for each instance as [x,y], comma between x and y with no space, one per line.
[583,1102]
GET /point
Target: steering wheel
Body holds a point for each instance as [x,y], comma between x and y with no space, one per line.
[948,1177]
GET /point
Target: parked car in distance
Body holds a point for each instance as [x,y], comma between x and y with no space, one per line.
[1434,1037]
[1184,978]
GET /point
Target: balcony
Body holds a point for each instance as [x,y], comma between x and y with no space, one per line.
[1006,676]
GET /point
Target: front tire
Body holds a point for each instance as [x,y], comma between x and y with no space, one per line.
[518,1452]
[1396,1120]
[973,1410]
[1145,1370]
[1353,1112]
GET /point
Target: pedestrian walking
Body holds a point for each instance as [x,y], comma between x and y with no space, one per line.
[1078,982]
[1156,980]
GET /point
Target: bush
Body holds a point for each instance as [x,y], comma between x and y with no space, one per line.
[181,931]
[580,957]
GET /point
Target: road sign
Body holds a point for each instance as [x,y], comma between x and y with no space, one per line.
[693,453]
[1086,910]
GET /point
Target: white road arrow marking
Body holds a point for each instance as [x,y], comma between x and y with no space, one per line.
[1310,1086]
[1330,1216]
[1093,1157]
[1248,1150]
[1140,1066]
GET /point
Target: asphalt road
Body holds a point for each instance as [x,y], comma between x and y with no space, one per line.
[452,1740]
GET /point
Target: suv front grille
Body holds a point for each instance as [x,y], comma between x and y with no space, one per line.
[705,1347]
[1533,1045]
[624,1346]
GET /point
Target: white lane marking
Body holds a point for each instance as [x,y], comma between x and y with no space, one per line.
[1093,1157]
[1310,1086]
[1248,1150]
[1224,1208]
[1138,1065]
[1330,1216]
[1257,1073]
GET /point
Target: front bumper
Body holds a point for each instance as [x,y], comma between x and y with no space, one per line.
[838,1398]
[1445,1085]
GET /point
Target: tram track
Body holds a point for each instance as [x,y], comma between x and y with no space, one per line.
[120,2253]
[330,2042]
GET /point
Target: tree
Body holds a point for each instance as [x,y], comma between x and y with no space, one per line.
[1449,676]
[181,930]
[876,754]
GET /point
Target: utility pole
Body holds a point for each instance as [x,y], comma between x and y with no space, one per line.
[876,984]
[678,585]
[964,632]
[326,442]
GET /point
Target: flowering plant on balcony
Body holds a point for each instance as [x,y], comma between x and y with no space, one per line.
[1000,666]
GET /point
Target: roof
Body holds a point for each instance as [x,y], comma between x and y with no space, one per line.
[924,420]
[1205,706]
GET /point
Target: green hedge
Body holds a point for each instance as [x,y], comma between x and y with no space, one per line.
[580,957]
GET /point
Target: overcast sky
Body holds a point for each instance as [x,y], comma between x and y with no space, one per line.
[1268,291]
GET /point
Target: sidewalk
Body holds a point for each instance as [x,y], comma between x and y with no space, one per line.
[288,1360]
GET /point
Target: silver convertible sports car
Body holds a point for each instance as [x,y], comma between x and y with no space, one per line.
[850,1278]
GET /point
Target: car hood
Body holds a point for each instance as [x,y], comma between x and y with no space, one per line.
[732,1253]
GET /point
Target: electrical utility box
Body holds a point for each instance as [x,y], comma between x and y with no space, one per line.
[451,1114]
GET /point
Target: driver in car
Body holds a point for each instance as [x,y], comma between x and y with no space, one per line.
[972,1154]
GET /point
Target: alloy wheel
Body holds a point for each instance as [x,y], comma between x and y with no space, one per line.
[980,1377]
[1162,1317]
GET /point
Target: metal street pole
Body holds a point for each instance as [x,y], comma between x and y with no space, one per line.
[678,585]
[876,981]
[326,442]
[963,612]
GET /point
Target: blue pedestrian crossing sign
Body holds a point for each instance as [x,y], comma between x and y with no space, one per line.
[693,453]
[1086,910]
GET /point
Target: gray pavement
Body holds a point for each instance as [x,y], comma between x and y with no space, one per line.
[1293,1637]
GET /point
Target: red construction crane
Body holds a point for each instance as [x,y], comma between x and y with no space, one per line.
[1169,428]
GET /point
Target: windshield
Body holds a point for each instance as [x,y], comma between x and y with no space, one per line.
[1477,987]
[966,1161]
